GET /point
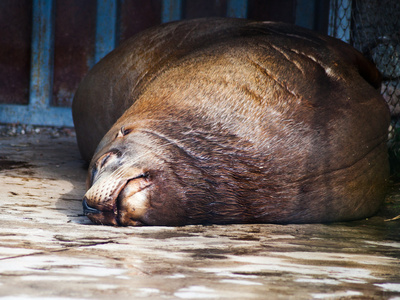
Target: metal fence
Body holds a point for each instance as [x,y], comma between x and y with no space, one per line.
[373,27]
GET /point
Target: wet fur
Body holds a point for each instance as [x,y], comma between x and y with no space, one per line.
[254,123]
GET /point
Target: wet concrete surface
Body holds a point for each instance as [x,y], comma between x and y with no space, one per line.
[49,250]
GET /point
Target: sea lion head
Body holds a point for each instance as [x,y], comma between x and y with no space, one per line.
[115,182]
[122,183]
[139,176]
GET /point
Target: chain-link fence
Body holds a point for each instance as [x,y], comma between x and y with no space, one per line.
[373,27]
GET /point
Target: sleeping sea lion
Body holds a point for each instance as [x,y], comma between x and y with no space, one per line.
[217,121]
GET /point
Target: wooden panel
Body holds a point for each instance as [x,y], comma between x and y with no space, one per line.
[15,50]
[204,8]
[272,10]
[74,44]
[137,15]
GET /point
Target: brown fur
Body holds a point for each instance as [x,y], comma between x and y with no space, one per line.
[232,121]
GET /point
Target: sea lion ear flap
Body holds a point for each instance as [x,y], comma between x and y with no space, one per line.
[122,132]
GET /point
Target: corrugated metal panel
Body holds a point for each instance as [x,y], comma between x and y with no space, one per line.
[115,21]
[313,14]
[15,50]
[38,111]
[171,10]
[193,9]
[237,9]
[74,46]
[137,15]
[272,10]
[106,28]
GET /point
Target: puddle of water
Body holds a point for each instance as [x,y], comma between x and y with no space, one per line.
[340,258]
[57,265]
[196,292]
[24,297]
[337,295]
[318,281]
[266,266]
[390,287]
[240,282]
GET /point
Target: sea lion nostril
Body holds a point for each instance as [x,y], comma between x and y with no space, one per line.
[87,209]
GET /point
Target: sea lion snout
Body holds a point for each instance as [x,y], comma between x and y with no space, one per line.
[116,191]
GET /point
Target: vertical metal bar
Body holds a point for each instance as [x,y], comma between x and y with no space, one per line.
[106,28]
[236,9]
[171,10]
[42,55]
[305,13]
[340,19]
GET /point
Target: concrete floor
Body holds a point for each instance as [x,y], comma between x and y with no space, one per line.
[48,250]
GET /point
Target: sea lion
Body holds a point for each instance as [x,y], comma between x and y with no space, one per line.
[217,121]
